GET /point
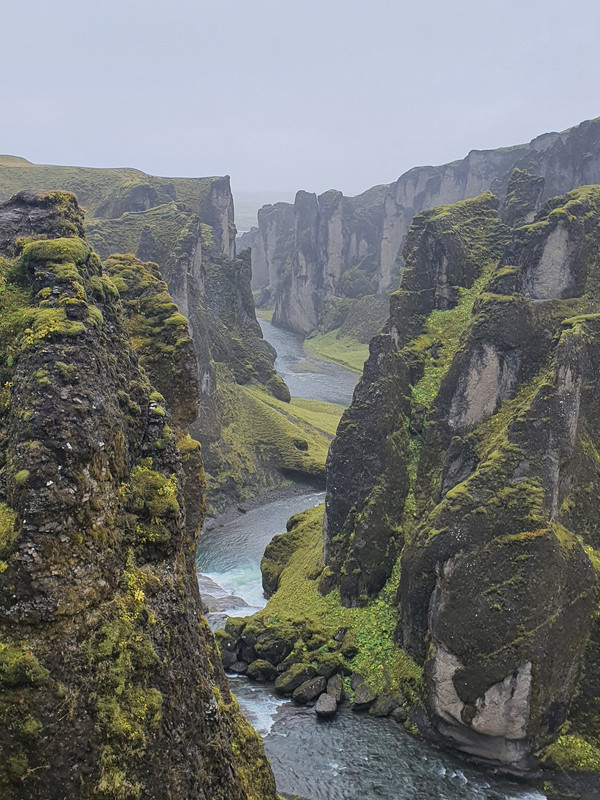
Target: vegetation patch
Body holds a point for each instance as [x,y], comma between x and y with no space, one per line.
[339,349]
[352,640]
[574,754]
[264,437]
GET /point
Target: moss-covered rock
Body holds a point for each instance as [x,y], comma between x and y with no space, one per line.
[186,226]
[294,677]
[102,642]
[261,670]
[318,632]
[311,256]
[493,417]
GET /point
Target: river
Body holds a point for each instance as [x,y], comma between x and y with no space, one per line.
[306,375]
[352,757]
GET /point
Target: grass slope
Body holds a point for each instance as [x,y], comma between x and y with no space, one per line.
[343,350]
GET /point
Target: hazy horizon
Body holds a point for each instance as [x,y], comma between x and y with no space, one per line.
[288,95]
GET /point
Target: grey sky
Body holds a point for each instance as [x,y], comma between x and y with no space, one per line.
[290,94]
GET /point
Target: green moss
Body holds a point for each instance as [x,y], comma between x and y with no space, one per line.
[95,316]
[57,254]
[299,606]
[158,333]
[176,320]
[441,336]
[68,372]
[41,377]
[574,754]
[100,191]
[40,323]
[207,237]
[17,766]
[264,436]
[21,477]
[7,527]
[153,498]
[123,660]
[19,667]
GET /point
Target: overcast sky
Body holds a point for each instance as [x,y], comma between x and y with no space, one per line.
[290,94]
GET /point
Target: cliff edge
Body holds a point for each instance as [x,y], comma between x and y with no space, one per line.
[110,686]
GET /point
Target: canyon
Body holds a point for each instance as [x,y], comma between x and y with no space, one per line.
[449,579]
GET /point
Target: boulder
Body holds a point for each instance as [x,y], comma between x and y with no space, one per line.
[335,688]
[363,697]
[384,705]
[227,602]
[399,714]
[309,690]
[226,644]
[326,706]
[273,647]
[261,670]
[329,663]
[296,675]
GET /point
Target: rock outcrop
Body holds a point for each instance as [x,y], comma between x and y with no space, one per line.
[186,226]
[465,472]
[308,254]
[110,685]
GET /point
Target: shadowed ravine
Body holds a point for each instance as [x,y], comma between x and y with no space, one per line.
[351,757]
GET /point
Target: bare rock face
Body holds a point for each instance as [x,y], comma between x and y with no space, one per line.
[351,246]
[110,682]
[467,461]
[490,378]
[368,478]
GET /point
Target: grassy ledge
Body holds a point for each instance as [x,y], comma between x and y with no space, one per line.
[342,350]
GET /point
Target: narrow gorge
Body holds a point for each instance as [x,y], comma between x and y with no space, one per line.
[394,566]
[327,263]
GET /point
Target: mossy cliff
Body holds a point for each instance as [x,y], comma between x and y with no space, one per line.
[482,481]
[186,227]
[310,255]
[110,686]
[312,646]
[462,493]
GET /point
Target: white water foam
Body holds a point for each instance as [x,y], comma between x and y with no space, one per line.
[244,582]
[257,703]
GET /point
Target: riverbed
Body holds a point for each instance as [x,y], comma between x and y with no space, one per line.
[352,757]
[305,375]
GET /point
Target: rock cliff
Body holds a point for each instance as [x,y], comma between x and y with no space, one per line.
[322,248]
[455,566]
[186,226]
[467,466]
[109,682]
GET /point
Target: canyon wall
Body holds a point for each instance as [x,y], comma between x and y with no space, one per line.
[465,471]
[306,255]
[110,685]
[186,227]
